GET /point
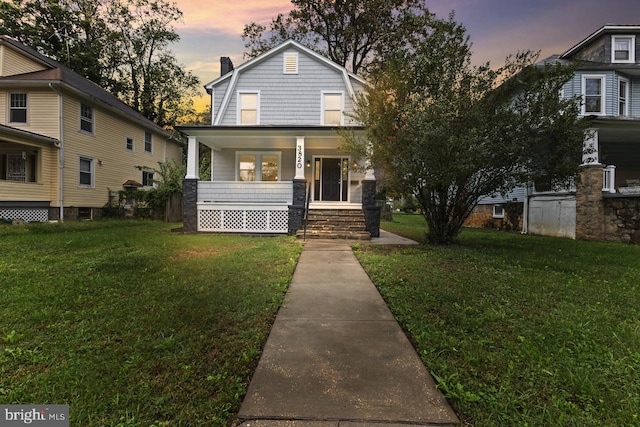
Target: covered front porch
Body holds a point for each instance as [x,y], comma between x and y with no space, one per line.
[262,178]
[615,144]
[28,174]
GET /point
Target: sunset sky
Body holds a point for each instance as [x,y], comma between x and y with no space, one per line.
[213,28]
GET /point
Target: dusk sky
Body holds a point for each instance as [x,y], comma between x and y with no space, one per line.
[213,28]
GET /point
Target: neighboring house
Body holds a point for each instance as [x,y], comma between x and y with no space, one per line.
[495,211]
[605,203]
[66,145]
[273,137]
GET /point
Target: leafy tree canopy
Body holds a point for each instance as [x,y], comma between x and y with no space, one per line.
[121,45]
[450,132]
[357,34]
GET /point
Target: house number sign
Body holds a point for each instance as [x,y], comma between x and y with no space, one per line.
[299,157]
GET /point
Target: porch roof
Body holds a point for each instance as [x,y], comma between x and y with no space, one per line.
[269,137]
[11,134]
[618,128]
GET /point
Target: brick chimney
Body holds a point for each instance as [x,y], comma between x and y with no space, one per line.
[226,66]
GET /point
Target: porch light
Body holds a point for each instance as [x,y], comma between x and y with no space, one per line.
[308,164]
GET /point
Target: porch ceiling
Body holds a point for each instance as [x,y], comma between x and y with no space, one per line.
[618,129]
[267,137]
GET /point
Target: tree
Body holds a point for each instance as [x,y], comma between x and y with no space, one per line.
[73,32]
[356,34]
[120,45]
[449,132]
[148,76]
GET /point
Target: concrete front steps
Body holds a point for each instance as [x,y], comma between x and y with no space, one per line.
[335,224]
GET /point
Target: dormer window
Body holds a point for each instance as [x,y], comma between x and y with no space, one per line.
[290,63]
[623,49]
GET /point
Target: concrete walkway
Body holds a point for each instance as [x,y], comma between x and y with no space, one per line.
[336,357]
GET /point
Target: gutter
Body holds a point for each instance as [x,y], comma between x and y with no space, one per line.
[61,153]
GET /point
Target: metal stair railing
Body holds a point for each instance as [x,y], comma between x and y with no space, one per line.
[306,210]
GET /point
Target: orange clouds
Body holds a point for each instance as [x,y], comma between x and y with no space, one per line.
[229,16]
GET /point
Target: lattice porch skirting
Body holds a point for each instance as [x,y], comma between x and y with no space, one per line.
[27,214]
[243,218]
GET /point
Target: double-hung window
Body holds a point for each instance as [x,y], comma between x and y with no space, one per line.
[147,178]
[86,118]
[129,144]
[18,108]
[248,108]
[255,166]
[593,94]
[148,142]
[332,104]
[623,49]
[623,97]
[85,178]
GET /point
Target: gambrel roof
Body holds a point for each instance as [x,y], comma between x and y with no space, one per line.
[231,78]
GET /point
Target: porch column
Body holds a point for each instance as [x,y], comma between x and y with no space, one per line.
[190,188]
[296,210]
[589,204]
[211,166]
[370,205]
[590,155]
[193,155]
[299,158]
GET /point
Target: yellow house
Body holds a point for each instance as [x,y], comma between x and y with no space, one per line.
[67,145]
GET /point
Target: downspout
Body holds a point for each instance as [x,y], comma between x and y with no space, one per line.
[525,211]
[61,152]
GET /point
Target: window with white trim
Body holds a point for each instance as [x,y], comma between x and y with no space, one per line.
[147,178]
[290,63]
[332,105]
[248,108]
[129,144]
[86,118]
[18,108]
[148,142]
[593,94]
[623,49]
[258,166]
[498,211]
[623,97]
[85,178]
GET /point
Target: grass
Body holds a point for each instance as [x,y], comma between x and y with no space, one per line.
[132,325]
[519,330]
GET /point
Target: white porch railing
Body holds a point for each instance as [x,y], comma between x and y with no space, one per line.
[609,179]
[244,207]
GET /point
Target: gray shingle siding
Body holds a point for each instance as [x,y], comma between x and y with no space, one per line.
[286,99]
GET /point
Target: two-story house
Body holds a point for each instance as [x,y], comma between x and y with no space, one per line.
[605,203]
[67,145]
[274,144]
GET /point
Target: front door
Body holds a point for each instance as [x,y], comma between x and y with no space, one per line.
[331,179]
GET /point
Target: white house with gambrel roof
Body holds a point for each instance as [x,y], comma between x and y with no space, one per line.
[274,144]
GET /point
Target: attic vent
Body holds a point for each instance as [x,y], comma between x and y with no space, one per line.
[291,63]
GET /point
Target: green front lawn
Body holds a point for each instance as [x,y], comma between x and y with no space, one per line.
[132,325]
[520,330]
